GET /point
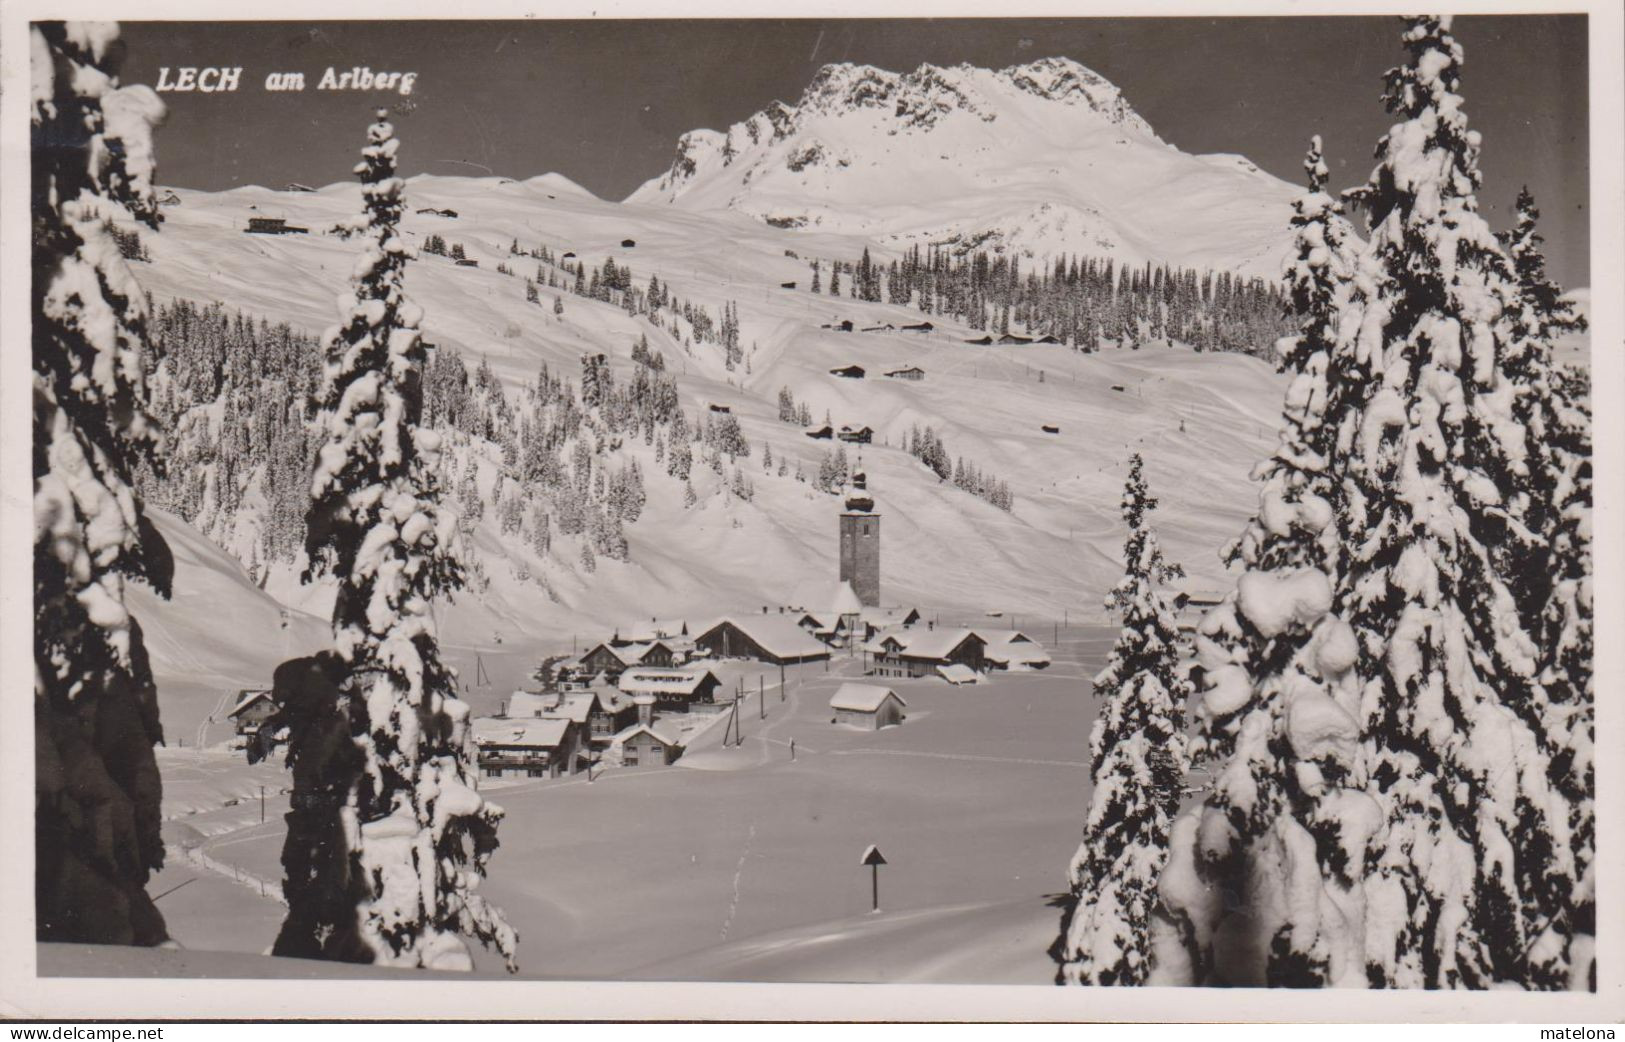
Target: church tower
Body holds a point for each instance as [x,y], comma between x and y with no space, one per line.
[860,544]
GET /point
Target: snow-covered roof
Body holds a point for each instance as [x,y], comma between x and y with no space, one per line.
[931,644]
[577,707]
[862,698]
[539,733]
[662,732]
[958,673]
[823,599]
[1010,647]
[780,635]
[248,698]
[530,704]
[649,680]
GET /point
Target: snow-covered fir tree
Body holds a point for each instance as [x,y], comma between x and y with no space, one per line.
[1274,716]
[1441,844]
[1137,760]
[1558,417]
[97,787]
[417,832]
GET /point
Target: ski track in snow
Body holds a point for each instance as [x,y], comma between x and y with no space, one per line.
[739,870]
[959,756]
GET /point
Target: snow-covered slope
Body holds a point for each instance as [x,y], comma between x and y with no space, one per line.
[1044,158]
[1201,419]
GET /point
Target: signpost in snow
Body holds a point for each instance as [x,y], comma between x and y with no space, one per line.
[874,859]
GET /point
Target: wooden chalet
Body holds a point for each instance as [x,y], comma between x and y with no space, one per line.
[825,432]
[981,341]
[918,653]
[912,372]
[1011,338]
[857,436]
[674,690]
[920,327]
[254,706]
[545,747]
[851,372]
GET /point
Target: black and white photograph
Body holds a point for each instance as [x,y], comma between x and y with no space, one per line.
[1076,503]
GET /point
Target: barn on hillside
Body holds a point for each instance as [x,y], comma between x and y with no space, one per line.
[851,372]
[776,639]
[868,706]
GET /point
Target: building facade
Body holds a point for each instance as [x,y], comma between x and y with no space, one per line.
[860,555]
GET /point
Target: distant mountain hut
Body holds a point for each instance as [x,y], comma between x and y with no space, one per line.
[272,226]
[1011,338]
[985,341]
[1050,428]
[857,435]
[920,327]
[825,432]
[844,325]
[721,408]
[787,285]
[850,372]
[882,328]
[1048,338]
[912,372]
[627,244]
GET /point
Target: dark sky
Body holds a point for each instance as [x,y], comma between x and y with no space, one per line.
[603,102]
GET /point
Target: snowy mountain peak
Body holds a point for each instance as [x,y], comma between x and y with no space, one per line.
[1043,158]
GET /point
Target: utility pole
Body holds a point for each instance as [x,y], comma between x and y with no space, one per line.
[761,699]
[262,804]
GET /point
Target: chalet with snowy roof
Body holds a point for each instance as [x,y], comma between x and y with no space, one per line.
[825,432]
[920,327]
[1014,650]
[649,743]
[882,328]
[868,706]
[983,341]
[253,707]
[958,675]
[1048,338]
[627,244]
[908,372]
[857,435]
[787,285]
[1049,428]
[918,653]
[850,372]
[611,661]
[615,712]
[844,325]
[544,747]
[674,690]
[721,408]
[466,262]
[1011,338]
[768,638]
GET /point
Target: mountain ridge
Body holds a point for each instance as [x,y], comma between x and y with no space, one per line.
[1041,159]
